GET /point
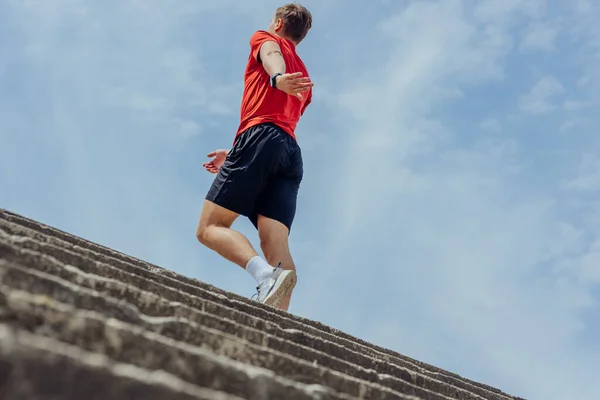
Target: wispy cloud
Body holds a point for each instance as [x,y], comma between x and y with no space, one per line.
[539,37]
[587,178]
[542,96]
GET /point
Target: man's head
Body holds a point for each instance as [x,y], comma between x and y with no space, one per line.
[291,21]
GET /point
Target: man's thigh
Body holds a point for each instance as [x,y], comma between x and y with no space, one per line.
[243,175]
[214,214]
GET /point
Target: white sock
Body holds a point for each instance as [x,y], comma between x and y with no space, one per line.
[259,268]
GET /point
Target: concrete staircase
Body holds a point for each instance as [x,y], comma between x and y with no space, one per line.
[81,321]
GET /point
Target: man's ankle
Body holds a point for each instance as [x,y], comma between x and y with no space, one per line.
[259,268]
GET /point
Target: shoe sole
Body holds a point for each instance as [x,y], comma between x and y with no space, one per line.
[282,288]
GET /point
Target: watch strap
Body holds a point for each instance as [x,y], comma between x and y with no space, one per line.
[273,79]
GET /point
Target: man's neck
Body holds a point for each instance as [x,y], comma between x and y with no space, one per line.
[286,38]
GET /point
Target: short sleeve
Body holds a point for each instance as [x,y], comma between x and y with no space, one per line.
[306,103]
[257,40]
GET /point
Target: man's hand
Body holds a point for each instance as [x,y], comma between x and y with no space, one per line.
[293,84]
[216,163]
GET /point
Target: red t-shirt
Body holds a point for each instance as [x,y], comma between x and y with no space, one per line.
[263,103]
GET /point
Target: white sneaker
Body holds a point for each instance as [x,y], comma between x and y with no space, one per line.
[273,289]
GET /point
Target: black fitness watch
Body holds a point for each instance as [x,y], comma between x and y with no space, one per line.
[273,79]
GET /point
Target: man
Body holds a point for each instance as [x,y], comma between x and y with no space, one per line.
[260,176]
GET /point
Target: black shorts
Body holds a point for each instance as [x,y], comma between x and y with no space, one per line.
[261,175]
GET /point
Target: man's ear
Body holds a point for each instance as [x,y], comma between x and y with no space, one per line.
[278,25]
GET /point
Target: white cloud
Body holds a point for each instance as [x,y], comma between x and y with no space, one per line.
[539,37]
[570,124]
[541,97]
[571,105]
[505,10]
[588,175]
[491,124]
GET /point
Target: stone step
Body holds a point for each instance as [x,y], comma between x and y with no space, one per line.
[43,368]
[134,344]
[153,302]
[36,299]
[276,327]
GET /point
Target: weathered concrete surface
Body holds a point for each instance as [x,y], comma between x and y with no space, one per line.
[59,287]
[40,311]
[37,367]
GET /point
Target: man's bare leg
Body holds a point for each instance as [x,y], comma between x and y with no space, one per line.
[274,244]
[214,231]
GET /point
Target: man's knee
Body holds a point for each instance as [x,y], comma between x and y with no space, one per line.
[273,248]
[204,228]
[273,238]
[201,233]
[213,215]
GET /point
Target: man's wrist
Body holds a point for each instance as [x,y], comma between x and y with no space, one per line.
[274,79]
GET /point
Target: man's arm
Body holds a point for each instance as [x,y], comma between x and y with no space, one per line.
[271,57]
[273,62]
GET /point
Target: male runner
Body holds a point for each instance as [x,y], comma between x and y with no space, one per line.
[260,176]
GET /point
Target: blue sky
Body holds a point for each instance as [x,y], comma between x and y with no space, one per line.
[450,207]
